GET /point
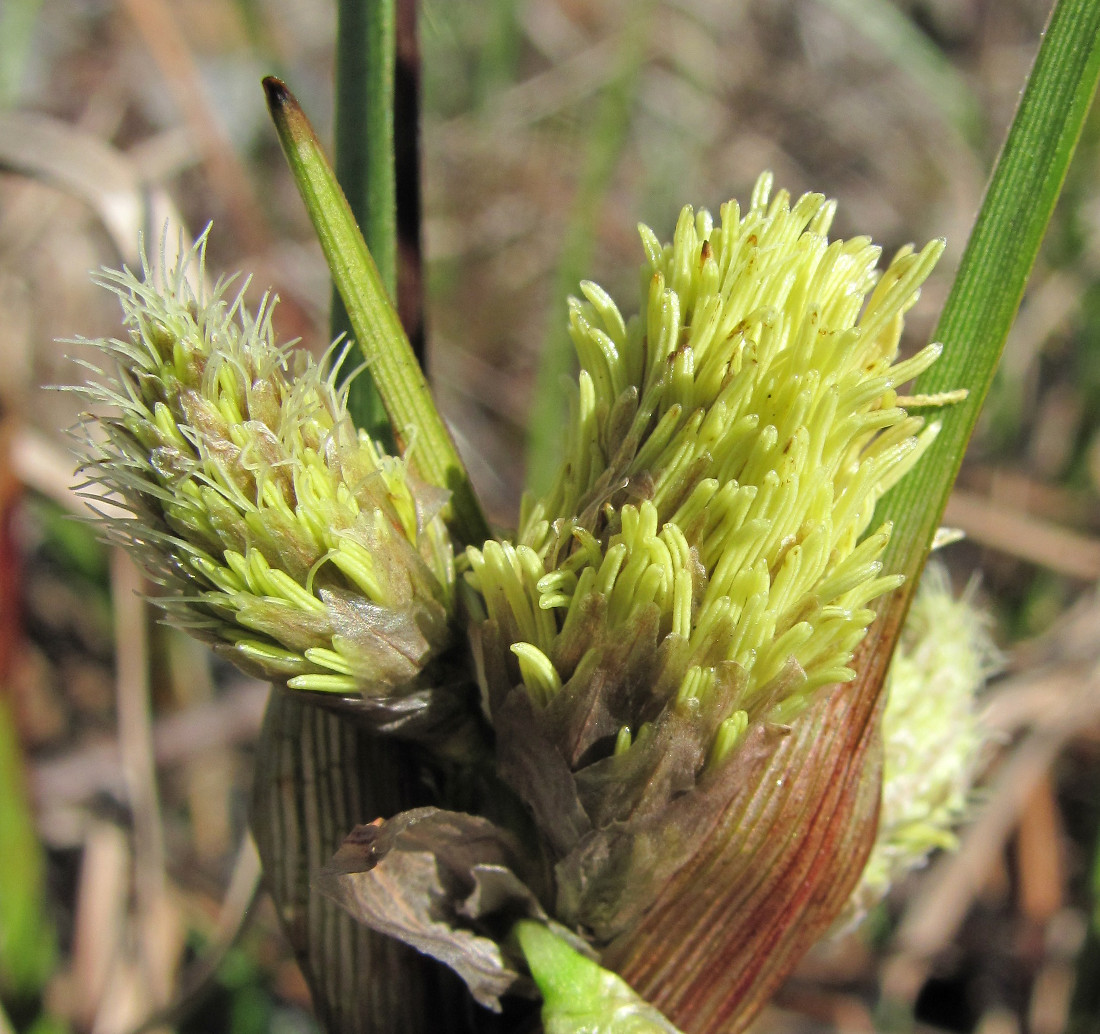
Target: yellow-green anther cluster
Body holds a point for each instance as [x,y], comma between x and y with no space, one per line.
[943,658]
[279,531]
[726,451]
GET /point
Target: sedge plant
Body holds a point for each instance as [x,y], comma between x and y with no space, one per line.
[650,725]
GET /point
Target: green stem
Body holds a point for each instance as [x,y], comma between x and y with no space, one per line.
[365,56]
[418,428]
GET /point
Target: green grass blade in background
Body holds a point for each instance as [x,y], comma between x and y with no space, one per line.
[365,56]
[607,135]
[1084,1010]
[418,428]
[18,19]
[27,946]
[994,270]
[500,51]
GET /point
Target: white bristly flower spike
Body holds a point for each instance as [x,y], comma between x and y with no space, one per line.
[279,532]
[942,661]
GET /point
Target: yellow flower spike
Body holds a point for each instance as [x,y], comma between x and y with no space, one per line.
[701,858]
[710,524]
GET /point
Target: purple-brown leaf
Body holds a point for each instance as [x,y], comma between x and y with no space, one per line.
[779,866]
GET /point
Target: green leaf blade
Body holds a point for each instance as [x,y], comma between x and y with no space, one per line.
[995,267]
[418,428]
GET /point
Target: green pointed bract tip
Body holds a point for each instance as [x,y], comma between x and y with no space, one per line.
[578,995]
[279,532]
[416,423]
[943,658]
[727,448]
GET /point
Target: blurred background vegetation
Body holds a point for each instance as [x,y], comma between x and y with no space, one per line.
[127,887]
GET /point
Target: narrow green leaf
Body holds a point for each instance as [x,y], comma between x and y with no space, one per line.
[985,297]
[365,58]
[418,428]
[27,946]
[995,267]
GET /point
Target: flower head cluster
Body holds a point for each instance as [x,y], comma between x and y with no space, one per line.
[705,563]
[281,533]
[705,560]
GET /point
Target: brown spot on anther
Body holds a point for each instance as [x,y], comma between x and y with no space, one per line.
[704,253]
[678,351]
[741,327]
